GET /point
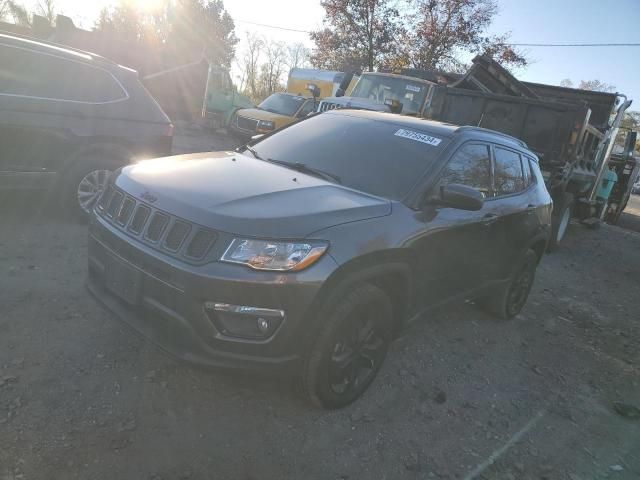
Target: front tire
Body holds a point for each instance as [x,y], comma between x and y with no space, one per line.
[509,299]
[350,348]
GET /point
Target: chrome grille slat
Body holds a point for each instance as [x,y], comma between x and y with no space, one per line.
[114,204]
[139,219]
[125,211]
[200,243]
[176,235]
[157,229]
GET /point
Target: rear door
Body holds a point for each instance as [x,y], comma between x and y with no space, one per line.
[48,104]
[453,250]
[513,203]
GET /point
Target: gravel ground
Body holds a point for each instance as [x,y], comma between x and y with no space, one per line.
[461,395]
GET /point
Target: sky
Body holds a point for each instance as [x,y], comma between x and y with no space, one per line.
[529,21]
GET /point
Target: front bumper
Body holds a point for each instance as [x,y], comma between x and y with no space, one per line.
[168,304]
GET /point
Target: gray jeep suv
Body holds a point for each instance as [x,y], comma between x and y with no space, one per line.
[310,248]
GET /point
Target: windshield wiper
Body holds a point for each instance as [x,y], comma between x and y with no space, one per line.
[304,168]
[253,152]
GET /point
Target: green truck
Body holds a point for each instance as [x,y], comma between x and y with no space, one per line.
[221,98]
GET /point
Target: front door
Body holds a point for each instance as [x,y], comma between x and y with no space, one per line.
[453,248]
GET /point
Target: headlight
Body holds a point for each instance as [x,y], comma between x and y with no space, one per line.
[268,255]
[266,124]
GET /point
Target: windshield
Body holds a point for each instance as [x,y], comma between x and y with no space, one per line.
[283,104]
[373,156]
[410,94]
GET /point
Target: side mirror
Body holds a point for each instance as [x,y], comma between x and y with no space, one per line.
[313,88]
[340,92]
[461,197]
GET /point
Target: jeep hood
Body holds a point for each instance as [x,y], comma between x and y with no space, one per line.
[239,194]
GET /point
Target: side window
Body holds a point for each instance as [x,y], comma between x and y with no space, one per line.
[34,74]
[471,166]
[306,109]
[508,177]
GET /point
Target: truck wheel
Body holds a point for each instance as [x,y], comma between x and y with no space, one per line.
[560,220]
[349,349]
[85,181]
[507,301]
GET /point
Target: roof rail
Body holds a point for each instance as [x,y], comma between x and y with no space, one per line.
[62,46]
[495,132]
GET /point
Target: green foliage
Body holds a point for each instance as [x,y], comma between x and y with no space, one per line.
[428,34]
[194,25]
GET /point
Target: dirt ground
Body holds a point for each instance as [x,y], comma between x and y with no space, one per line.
[461,395]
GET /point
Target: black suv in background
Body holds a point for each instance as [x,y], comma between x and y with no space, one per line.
[68,117]
[311,247]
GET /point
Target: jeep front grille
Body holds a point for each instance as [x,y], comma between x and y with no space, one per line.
[155,228]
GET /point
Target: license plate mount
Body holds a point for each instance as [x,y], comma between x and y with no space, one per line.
[123,280]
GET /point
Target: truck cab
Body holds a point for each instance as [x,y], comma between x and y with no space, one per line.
[222,99]
[385,92]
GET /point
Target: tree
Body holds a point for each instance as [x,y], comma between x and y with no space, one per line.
[358,34]
[187,25]
[47,9]
[205,24]
[443,29]
[4,9]
[18,13]
[250,64]
[273,67]
[297,55]
[630,122]
[595,85]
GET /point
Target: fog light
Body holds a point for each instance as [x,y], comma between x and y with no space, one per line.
[263,325]
[243,321]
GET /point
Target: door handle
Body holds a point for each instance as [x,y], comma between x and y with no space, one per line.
[489,218]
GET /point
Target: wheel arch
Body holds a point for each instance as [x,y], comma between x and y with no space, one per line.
[390,271]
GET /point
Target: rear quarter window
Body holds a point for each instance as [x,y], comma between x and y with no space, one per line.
[28,73]
[508,175]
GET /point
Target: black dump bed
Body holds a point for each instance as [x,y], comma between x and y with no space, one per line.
[562,125]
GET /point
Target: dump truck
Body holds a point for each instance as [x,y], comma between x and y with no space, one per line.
[572,131]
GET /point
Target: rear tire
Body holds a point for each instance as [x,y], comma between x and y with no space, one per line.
[560,220]
[349,349]
[85,181]
[508,300]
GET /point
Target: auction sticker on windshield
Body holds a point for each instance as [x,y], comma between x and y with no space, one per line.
[418,137]
[412,88]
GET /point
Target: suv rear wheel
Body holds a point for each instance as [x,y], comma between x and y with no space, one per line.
[85,181]
[350,347]
[509,299]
